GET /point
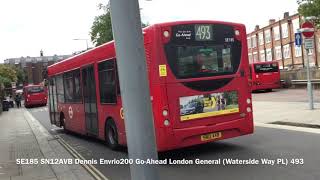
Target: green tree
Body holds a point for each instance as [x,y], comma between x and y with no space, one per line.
[310,8]
[101,29]
[21,76]
[7,74]
[5,81]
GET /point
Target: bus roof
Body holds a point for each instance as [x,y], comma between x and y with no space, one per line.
[197,21]
[107,50]
[32,85]
[266,62]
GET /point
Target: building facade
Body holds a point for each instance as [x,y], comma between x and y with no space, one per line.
[35,67]
[276,42]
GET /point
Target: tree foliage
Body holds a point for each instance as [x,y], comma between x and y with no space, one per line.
[101,29]
[310,8]
[21,76]
[8,72]
[7,75]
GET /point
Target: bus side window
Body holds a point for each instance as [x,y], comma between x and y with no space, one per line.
[60,88]
[107,82]
[250,72]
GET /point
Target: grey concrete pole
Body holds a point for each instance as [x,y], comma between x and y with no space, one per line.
[134,85]
[87,44]
[309,85]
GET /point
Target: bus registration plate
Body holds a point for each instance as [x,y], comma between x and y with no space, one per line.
[211,136]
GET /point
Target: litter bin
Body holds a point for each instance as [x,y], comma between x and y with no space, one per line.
[5,105]
[1,107]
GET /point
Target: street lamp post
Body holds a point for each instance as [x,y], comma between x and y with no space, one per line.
[308,32]
[83,40]
[134,85]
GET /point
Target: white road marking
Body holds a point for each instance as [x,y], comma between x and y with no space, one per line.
[292,128]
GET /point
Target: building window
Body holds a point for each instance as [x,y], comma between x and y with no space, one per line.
[255,57]
[276,33]
[269,54]
[72,87]
[261,38]
[249,42]
[250,57]
[277,52]
[295,25]
[267,35]
[262,56]
[297,51]
[286,51]
[253,41]
[284,29]
[107,81]
[310,52]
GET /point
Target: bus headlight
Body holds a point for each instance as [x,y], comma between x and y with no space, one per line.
[165,113]
[237,32]
[248,101]
[166,34]
[248,109]
[166,122]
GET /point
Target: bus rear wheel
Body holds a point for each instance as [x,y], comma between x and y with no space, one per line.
[111,135]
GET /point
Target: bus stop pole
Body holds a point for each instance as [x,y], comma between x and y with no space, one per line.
[136,100]
[309,85]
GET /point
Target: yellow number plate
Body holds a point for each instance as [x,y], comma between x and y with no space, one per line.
[211,136]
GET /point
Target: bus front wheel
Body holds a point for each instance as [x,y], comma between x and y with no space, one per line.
[111,135]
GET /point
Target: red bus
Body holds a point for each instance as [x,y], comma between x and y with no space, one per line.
[198,75]
[34,95]
[265,75]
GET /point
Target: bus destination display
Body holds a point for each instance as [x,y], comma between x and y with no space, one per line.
[198,32]
[203,32]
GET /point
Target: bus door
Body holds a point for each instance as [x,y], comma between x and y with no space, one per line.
[53,106]
[90,100]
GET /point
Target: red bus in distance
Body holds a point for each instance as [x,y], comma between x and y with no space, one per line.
[265,75]
[198,76]
[34,95]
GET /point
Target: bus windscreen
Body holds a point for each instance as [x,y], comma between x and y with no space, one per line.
[35,89]
[203,51]
[266,68]
[198,61]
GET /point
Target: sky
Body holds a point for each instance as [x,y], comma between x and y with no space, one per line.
[28,26]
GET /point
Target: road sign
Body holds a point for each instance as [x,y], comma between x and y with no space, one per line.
[307,29]
[298,39]
[308,43]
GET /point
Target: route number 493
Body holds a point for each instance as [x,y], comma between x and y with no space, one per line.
[297,161]
[203,32]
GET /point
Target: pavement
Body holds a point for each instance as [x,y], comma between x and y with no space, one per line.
[291,112]
[24,143]
[286,106]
